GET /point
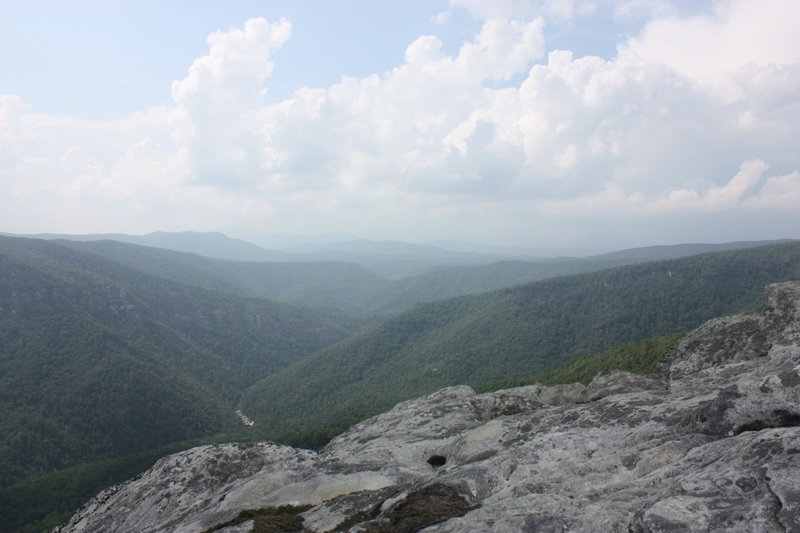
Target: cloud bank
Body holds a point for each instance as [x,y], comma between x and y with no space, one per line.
[693,125]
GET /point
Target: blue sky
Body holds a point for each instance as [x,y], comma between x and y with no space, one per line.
[111,58]
[575,123]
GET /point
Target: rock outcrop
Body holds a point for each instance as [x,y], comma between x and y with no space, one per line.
[711,442]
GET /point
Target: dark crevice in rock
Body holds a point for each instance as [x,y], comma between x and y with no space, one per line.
[437,461]
[780,418]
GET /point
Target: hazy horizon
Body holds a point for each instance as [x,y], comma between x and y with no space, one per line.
[294,243]
[577,125]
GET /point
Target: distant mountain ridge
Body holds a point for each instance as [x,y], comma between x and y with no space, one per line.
[220,246]
[393,258]
[388,250]
[328,285]
[455,281]
[352,283]
[208,244]
[653,253]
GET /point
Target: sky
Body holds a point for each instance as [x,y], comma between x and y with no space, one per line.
[542,123]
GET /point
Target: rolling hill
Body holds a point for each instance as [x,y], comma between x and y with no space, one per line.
[393,259]
[443,283]
[357,290]
[99,360]
[208,244]
[516,331]
[342,287]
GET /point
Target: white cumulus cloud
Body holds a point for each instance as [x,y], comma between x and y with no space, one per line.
[713,48]
[219,100]
[695,115]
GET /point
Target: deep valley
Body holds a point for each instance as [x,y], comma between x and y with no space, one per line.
[114,354]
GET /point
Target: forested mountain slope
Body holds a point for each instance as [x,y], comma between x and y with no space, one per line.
[444,283]
[708,442]
[41,503]
[514,332]
[673,251]
[357,290]
[329,285]
[387,258]
[99,360]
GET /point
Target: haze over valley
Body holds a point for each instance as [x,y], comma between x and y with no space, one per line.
[387,241]
[115,353]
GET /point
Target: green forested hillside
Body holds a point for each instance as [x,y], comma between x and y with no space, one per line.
[443,283]
[639,357]
[39,504]
[109,351]
[674,251]
[513,332]
[353,288]
[327,285]
[404,293]
[99,360]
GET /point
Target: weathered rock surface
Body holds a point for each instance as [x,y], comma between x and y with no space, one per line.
[711,442]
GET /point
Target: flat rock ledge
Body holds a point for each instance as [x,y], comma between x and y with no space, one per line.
[710,442]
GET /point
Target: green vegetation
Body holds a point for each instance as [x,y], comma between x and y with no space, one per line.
[318,436]
[44,502]
[112,355]
[638,357]
[283,519]
[356,289]
[208,244]
[449,282]
[98,360]
[343,287]
[517,331]
[422,508]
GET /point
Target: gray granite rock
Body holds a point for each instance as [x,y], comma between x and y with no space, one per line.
[711,442]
